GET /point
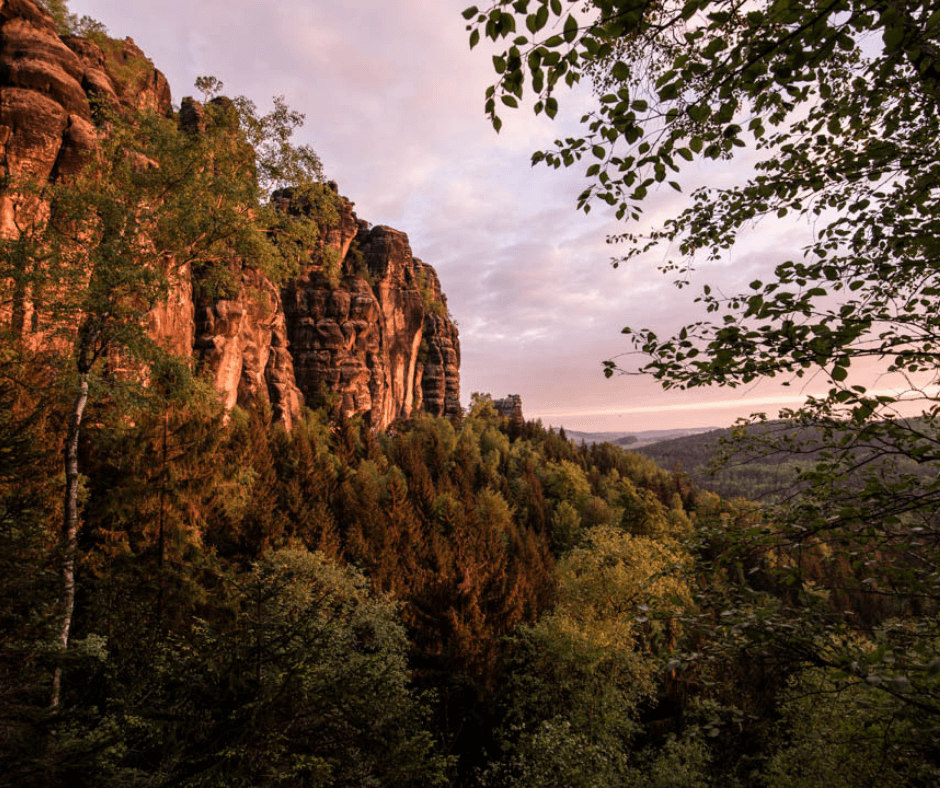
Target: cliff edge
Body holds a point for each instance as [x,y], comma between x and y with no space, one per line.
[369,333]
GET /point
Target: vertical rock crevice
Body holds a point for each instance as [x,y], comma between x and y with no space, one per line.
[380,341]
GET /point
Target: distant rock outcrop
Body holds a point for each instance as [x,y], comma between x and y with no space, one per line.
[369,333]
[510,407]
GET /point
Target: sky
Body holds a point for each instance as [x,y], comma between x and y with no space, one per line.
[393,99]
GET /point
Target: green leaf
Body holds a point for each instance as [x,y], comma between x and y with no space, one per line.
[571,29]
[669,92]
[893,36]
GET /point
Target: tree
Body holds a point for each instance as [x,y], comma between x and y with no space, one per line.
[155,203]
[857,736]
[155,471]
[306,685]
[587,669]
[842,124]
[840,103]
[28,587]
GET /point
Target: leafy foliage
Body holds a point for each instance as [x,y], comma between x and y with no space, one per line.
[842,128]
[839,104]
[332,606]
[153,202]
[312,677]
[585,672]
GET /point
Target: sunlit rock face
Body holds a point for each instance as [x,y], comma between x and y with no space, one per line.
[377,339]
[241,343]
[363,329]
[439,363]
[46,116]
[49,89]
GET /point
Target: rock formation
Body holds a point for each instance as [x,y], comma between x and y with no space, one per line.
[48,82]
[510,407]
[382,340]
[370,335]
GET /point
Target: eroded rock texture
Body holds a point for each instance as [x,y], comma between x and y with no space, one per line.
[363,329]
[510,407]
[50,89]
[379,341]
[243,343]
[439,355]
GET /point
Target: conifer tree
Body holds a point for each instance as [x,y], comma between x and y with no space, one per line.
[154,476]
[307,485]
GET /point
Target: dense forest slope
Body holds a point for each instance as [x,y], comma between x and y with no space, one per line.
[364,319]
[217,637]
[716,461]
[764,461]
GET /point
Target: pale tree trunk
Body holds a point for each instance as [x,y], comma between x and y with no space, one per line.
[70,533]
[89,350]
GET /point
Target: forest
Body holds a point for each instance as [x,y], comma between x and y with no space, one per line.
[193,594]
[464,603]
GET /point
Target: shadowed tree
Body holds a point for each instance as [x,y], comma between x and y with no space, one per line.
[838,106]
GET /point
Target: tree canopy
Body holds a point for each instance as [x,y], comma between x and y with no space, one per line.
[830,111]
[156,204]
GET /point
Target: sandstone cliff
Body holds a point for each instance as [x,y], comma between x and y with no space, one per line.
[510,407]
[382,340]
[370,333]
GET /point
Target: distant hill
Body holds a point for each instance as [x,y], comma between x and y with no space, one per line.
[749,470]
[635,439]
[746,474]
[695,451]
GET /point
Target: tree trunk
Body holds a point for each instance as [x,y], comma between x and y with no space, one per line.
[70,533]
